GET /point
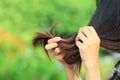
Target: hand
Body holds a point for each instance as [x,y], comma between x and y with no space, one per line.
[53,47]
[88,43]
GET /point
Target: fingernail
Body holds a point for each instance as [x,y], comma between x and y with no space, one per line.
[45,46]
[59,38]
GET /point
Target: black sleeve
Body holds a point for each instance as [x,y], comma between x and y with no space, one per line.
[116,72]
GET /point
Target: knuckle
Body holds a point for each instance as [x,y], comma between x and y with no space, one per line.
[55,38]
[79,36]
[76,38]
[55,44]
[56,50]
[91,27]
[77,43]
[46,47]
[81,29]
[86,27]
[98,40]
[49,40]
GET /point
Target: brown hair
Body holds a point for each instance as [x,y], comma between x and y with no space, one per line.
[67,46]
[106,21]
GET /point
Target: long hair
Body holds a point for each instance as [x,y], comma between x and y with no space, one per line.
[106,21]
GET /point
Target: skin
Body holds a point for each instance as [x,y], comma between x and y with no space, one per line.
[88,43]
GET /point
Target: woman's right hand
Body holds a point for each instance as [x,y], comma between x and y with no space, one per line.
[53,48]
[55,51]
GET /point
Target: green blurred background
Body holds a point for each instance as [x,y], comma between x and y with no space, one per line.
[21,19]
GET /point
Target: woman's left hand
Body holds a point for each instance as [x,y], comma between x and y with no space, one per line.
[88,43]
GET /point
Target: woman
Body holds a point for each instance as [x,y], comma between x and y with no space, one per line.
[90,43]
[84,46]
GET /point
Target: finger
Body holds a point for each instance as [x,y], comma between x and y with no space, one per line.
[79,44]
[77,38]
[85,31]
[51,46]
[94,33]
[54,40]
[92,30]
[82,37]
[56,51]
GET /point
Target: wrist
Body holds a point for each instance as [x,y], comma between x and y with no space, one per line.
[93,72]
[72,73]
[68,66]
[91,64]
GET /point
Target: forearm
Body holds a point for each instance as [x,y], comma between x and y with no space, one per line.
[72,74]
[93,72]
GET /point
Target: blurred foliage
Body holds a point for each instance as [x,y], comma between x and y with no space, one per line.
[21,19]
